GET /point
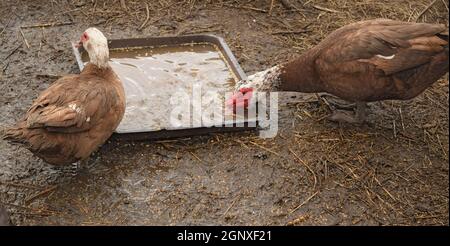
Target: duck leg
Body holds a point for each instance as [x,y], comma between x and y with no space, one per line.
[344,116]
[334,102]
[77,166]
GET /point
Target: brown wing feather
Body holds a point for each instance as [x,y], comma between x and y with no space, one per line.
[71,104]
[381,59]
[420,51]
[70,119]
[412,44]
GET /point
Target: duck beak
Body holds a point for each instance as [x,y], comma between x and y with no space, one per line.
[79,44]
[240,99]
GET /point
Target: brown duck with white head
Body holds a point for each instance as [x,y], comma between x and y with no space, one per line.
[362,62]
[77,113]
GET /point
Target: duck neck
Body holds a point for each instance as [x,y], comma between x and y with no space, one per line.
[300,75]
[91,68]
[101,63]
[99,56]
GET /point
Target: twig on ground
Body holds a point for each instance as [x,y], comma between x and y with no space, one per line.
[44,192]
[246,7]
[304,202]
[325,9]
[264,148]
[272,3]
[12,52]
[123,4]
[290,32]
[7,24]
[307,166]
[426,9]
[231,205]
[24,38]
[147,11]
[52,24]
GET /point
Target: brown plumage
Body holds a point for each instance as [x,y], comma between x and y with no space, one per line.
[76,114]
[368,61]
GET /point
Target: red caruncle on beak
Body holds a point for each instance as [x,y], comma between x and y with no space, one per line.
[83,39]
[240,99]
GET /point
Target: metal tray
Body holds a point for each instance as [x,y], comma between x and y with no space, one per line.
[177,40]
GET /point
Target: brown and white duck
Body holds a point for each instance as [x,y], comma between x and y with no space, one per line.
[362,62]
[77,113]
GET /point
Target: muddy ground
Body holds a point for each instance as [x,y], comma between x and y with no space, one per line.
[390,171]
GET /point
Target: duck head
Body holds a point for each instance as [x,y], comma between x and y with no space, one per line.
[245,90]
[96,45]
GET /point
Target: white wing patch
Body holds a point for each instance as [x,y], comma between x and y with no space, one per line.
[386,57]
[74,107]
